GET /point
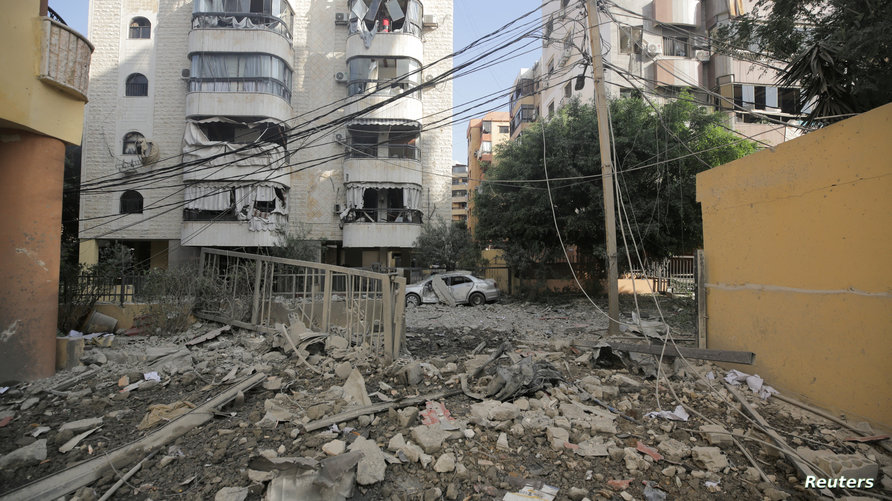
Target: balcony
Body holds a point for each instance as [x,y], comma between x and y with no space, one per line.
[225,234]
[405,108]
[676,72]
[382,228]
[370,18]
[359,169]
[65,59]
[244,41]
[677,12]
[231,98]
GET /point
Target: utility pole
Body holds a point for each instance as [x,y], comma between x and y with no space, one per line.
[606,166]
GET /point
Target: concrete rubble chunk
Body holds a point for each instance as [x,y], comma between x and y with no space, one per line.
[633,460]
[81,425]
[716,434]
[373,465]
[336,343]
[502,442]
[674,450]
[711,458]
[396,443]
[430,438]
[557,437]
[592,448]
[343,370]
[24,456]
[334,447]
[355,391]
[412,374]
[445,463]
[836,465]
[231,494]
[407,416]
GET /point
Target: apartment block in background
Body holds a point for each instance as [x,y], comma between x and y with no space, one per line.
[659,48]
[229,123]
[459,192]
[483,135]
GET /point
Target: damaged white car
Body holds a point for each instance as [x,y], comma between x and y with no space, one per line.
[462,288]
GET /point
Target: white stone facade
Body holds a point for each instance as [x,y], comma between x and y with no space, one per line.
[316,195]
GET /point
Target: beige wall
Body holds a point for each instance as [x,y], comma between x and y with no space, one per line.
[797,244]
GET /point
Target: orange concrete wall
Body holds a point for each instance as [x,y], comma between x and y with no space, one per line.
[797,244]
[31,169]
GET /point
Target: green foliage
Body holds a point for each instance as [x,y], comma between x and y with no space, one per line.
[171,295]
[296,245]
[81,286]
[448,245]
[659,192]
[836,50]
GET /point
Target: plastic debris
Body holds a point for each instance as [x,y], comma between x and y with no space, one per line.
[755,383]
[530,491]
[679,414]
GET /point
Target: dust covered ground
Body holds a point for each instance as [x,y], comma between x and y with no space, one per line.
[455,447]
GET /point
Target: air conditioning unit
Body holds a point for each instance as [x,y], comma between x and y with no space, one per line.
[339,138]
[341,77]
[429,21]
[341,19]
[653,49]
[186,73]
[702,55]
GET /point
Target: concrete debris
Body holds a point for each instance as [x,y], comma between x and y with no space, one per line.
[71,444]
[716,434]
[162,413]
[24,456]
[755,383]
[232,494]
[430,438]
[372,466]
[445,463]
[535,492]
[81,425]
[711,458]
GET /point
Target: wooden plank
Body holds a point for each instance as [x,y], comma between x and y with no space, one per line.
[374,409]
[87,472]
[701,299]
[736,357]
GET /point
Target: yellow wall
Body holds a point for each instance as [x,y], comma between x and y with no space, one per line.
[797,244]
[88,252]
[25,101]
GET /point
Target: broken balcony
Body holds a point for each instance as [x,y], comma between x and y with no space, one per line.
[369,18]
[382,215]
[384,87]
[273,16]
[220,149]
[383,153]
[228,215]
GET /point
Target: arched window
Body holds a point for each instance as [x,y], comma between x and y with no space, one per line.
[137,85]
[131,202]
[140,27]
[134,144]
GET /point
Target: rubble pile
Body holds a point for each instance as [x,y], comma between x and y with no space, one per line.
[481,413]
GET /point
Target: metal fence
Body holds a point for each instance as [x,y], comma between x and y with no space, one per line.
[676,274]
[108,289]
[259,291]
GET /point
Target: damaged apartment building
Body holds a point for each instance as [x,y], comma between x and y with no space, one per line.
[232,123]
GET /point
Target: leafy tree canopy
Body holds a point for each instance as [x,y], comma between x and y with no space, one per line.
[837,51]
[448,245]
[656,178]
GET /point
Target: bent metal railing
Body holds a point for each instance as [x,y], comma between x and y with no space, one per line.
[260,291]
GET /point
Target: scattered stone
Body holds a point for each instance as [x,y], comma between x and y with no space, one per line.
[373,465]
[577,493]
[28,403]
[674,450]
[94,357]
[407,416]
[396,443]
[412,374]
[319,411]
[592,448]
[430,438]
[618,485]
[502,442]
[711,458]
[445,463]
[232,494]
[335,447]
[336,343]
[343,370]
[273,383]
[716,434]
[81,425]
[634,461]
[836,465]
[25,456]
[557,437]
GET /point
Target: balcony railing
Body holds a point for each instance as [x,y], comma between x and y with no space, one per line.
[65,59]
[240,20]
[394,150]
[384,216]
[261,85]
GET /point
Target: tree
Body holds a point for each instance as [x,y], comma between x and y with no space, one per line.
[656,178]
[837,51]
[448,245]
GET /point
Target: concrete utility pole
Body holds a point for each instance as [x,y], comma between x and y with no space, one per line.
[606,166]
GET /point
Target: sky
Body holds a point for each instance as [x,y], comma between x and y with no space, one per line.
[473,19]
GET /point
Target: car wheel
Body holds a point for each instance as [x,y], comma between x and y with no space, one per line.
[476,299]
[413,299]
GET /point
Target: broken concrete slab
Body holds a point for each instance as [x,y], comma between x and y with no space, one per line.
[24,456]
[430,438]
[710,458]
[355,391]
[445,463]
[716,434]
[836,465]
[81,425]
[232,494]
[373,465]
[334,447]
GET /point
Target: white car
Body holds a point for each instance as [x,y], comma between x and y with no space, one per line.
[464,287]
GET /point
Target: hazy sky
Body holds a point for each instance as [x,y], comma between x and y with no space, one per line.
[473,19]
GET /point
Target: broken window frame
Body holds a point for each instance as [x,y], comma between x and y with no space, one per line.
[365,75]
[377,142]
[240,72]
[140,29]
[409,17]
[630,39]
[272,15]
[133,143]
[677,46]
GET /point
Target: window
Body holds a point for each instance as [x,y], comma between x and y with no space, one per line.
[391,16]
[630,39]
[140,27]
[388,76]
[568,90]
[503,129]
[487,127]
[131,202]
[549,27]
[134,144]
[274,15]
[551,66]
[459,193]
[486,147]
[137,85]
[223,72]
[565,3]
[550,109]
[676,46]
